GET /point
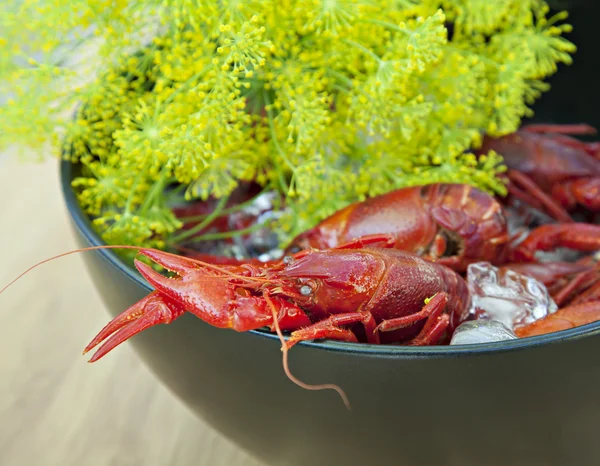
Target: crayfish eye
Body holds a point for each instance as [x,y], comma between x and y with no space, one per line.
[308,287]
[305,290]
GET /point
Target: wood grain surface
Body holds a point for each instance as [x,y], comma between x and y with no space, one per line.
[55,409]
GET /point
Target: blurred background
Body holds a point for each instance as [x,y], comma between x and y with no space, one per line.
[55,408]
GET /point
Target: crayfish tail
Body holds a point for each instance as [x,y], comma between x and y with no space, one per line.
[563,319]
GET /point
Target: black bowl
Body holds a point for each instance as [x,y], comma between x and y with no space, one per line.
[523,402]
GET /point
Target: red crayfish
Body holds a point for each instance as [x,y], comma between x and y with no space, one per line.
[549,169]
[452,224]
[315,294]
[356,292]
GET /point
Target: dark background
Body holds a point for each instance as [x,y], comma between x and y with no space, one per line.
[574,97]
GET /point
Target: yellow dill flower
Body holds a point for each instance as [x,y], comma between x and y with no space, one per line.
[325,101]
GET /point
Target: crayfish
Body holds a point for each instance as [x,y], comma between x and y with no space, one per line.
[451,224]
[549,169]
[314,294]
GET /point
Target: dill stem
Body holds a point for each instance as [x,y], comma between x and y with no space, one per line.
[156,190]
[367,51]
[345,79]
[174,192]
[227,211]
[129,202]
[274,134]
[388,25]
[184,85]
[207,221]
[227,234]
[276,167]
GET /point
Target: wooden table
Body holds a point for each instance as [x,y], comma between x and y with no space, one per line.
[55,409]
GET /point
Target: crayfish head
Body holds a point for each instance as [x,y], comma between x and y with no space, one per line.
[446,244]
[337,280]
[471,226]
[200,287]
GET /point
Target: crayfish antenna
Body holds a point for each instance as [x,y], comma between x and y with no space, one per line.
[68,253]
[152,310]
[286,368]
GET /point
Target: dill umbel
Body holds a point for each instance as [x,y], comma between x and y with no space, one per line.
[324,101]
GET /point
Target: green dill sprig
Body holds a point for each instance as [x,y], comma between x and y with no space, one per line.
[326,101]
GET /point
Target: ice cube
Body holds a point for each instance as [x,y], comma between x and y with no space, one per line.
[507,296]
[262,242]
[481,331]
[273,254]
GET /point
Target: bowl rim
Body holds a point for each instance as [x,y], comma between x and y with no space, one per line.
[84,226]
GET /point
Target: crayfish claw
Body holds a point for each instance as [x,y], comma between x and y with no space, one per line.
[174,288]
[172,262]
[202,291]
[152,310]
[325,329]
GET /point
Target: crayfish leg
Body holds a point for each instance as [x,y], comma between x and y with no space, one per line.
[432,332]
[526,185]
[576,285]
[379,240]
[434,327]
[590,294]
[152,310]
[584,191]
[593,148]
[331,328]
[574,129]
[584,237]
[549,273]
[289,315]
